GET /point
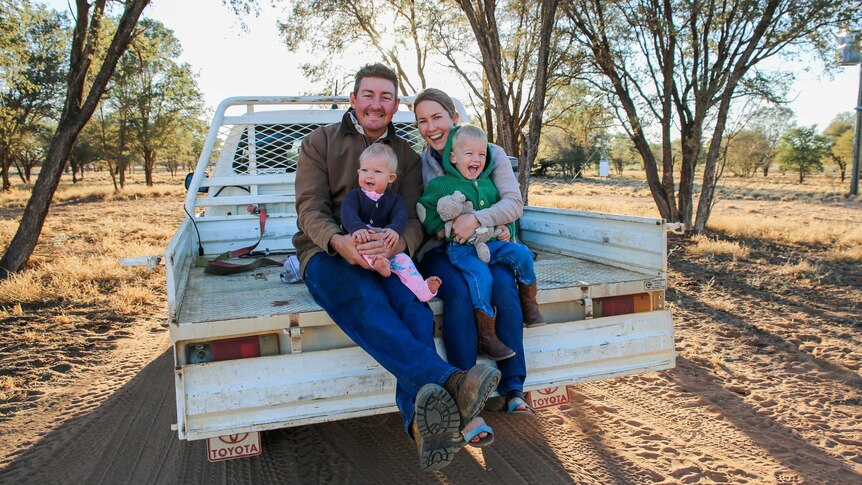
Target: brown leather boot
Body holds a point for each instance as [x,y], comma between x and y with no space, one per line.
[486,326]
[529,306]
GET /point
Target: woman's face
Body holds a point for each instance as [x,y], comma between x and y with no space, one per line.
[434,123]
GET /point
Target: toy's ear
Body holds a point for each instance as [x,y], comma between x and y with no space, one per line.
[420,212]
[469,206]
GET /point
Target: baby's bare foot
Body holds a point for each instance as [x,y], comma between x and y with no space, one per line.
[433,283]
[381,265]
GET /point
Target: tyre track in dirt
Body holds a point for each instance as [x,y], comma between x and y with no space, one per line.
[669,431]
[644,429]
[701,415]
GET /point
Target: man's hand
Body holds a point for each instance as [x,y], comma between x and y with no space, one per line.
[390,237]
[376,246]
[343,245]
[505,235]
[464,227]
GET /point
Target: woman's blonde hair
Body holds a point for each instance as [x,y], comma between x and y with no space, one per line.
[439,97]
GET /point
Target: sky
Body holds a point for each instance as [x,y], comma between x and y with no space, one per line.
[233,62]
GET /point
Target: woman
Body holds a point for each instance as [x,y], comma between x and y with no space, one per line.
[435,116]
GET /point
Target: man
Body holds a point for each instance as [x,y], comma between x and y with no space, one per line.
[380,314]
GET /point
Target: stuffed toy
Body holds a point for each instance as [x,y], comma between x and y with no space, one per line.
[452,206]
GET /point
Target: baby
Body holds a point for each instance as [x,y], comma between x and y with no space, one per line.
[371,209]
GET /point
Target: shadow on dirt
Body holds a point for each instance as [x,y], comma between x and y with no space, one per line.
[127,439]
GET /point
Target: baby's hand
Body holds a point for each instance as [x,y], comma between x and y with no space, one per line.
[390,237]
[360,236]
[504,233]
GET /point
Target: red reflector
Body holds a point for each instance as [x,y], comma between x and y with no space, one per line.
[236,348]
[618,305]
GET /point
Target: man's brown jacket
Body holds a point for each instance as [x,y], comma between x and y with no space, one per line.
[327,171]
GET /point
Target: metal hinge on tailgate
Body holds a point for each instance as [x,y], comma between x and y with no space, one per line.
[295,334]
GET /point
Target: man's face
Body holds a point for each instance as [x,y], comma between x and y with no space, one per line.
[375,103]
[468,156]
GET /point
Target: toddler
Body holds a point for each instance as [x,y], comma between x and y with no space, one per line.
[468,171]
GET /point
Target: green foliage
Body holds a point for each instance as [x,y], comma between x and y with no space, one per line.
[747,151]
[154,98]
[841,133]
[33,46]
[396,30]
[623,153]
[801,151]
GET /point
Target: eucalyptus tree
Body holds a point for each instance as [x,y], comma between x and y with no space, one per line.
[155,95]
[681,65]
[402,32]
[840,133]
[33,47]
[86,81]
[802,151]
[520,56]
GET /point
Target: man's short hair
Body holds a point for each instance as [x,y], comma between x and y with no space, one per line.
[383,149]
[375,70]
[469,131]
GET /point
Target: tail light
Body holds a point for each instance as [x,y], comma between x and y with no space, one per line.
[622,305]
[232,349]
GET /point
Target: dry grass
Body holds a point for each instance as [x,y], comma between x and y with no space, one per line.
[775,209]
[74,299]
[97,186]
[703,245]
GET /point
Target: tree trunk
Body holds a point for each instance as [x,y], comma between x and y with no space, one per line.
[22,245]
[113,177]
[691,136]
[77,109]
[20,171]
[489,113]
[149,166]
[548,13]
[7,184]
[483,21]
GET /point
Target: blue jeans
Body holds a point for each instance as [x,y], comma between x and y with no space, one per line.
[385,319]
[459,323]
[478,273]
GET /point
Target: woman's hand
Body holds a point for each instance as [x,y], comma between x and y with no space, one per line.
[464,227]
